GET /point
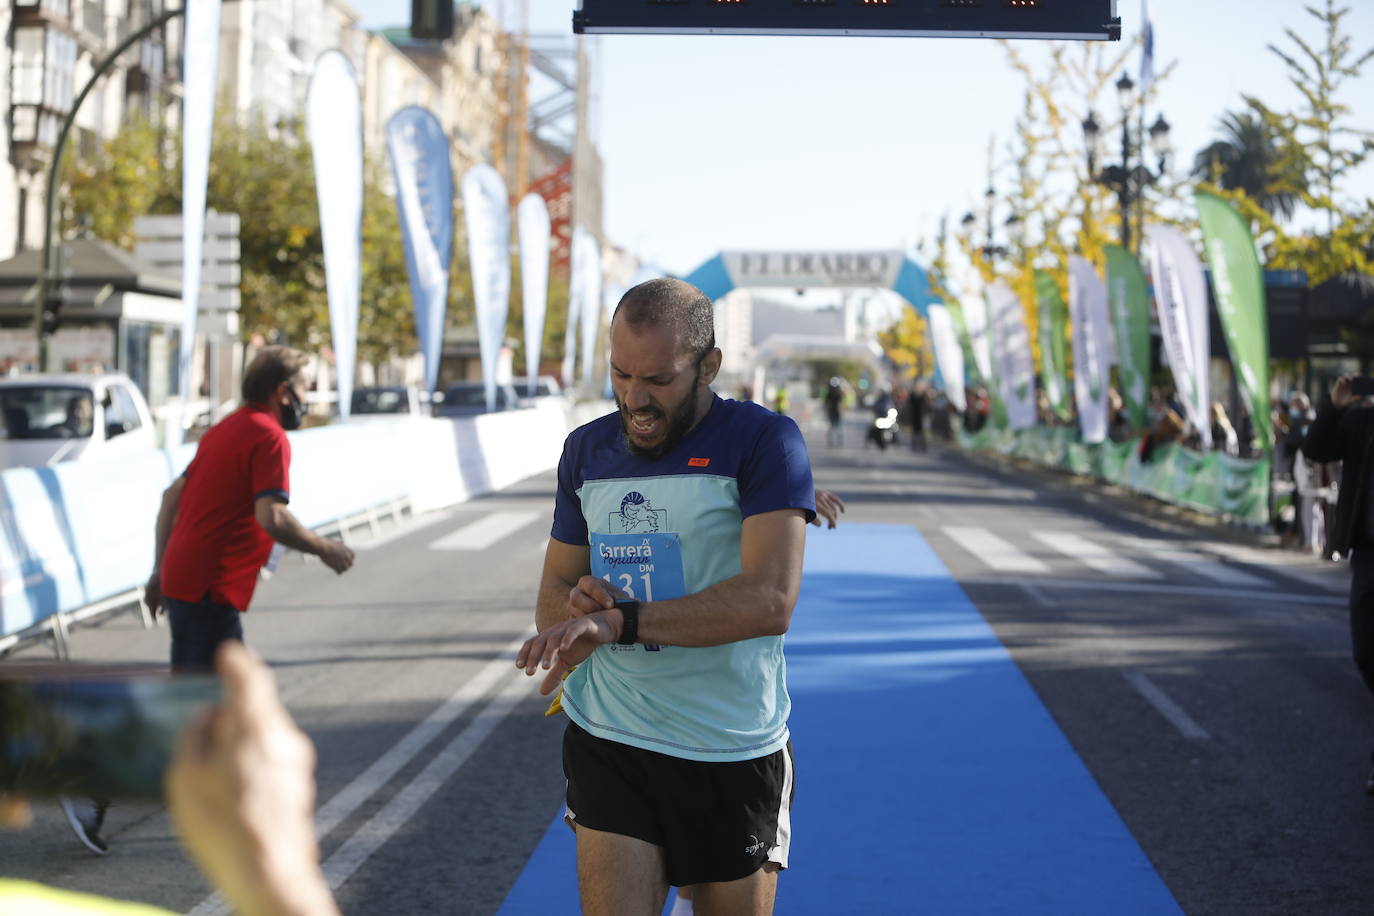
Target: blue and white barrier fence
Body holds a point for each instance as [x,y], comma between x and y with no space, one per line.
[77,538]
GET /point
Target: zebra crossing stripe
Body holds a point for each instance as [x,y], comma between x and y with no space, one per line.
[1202,565]
[1095,555]
[993,551]
[484,532]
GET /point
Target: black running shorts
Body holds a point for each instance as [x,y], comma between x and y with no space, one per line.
[715,821]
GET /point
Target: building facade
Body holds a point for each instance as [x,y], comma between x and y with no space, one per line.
[52,48]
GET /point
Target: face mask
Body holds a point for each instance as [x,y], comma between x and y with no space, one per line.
[291,416]
[1294,412]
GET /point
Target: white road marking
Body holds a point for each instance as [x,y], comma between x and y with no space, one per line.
[484,532]
[1303,599]
[384,768]
[374,834]
[1094,555]
[1331,579]
[417,523]
[1204,565]
[1166,707]
[992,550]
[1039,597]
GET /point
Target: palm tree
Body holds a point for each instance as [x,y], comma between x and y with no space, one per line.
[1247,158]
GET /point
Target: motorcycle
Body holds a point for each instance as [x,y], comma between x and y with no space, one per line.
[883,431]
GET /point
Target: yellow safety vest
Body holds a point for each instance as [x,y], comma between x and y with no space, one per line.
[25,898]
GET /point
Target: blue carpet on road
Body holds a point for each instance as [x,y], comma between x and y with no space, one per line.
[930,778]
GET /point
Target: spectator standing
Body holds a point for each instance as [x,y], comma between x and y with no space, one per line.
[834,404]
[218,521]
[916,417]
[1245,431]
[215,531]
[1344,431]
[1224,438]
[781,401]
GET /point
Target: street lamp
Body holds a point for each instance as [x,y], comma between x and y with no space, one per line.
[1013,227]
[1128,178]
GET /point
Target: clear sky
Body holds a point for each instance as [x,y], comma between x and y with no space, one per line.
[725,142]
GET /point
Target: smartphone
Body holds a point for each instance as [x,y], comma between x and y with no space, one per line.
[93,732]
[1362,386]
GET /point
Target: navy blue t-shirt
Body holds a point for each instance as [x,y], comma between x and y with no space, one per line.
[667,528]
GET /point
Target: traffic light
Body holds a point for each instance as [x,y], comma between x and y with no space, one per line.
[52,314]
[1074,19]
[431,19]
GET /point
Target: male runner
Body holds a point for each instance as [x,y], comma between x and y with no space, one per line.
[677,757]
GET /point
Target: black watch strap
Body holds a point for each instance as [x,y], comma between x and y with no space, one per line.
[629,611]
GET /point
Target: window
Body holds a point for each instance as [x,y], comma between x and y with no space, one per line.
[121,416]
[45,413]
[25,123]
[26,75]
[57,70]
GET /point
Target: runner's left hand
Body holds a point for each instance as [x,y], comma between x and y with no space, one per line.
[566,645]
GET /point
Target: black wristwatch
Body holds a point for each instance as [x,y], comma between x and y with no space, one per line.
[629,611]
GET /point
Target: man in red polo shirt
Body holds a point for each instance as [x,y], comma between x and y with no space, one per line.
[219,520]
[216,528]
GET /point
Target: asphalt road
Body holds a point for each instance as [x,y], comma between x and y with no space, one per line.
[1205,682]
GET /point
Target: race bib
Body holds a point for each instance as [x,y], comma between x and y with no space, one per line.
[646,567]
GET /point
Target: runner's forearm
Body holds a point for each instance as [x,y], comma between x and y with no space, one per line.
[741,607]
[551,607]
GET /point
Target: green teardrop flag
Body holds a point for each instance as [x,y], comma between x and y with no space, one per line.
[1128,301]
[1239,286]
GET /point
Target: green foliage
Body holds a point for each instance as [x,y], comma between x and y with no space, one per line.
[266,176]
[1317,147]
[124,182]
[907,344]
[1319,136]
[1251,156]
[386,315]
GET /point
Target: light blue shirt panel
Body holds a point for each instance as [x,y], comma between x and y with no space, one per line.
[715,703]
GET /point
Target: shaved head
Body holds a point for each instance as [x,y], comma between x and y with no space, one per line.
[679,307]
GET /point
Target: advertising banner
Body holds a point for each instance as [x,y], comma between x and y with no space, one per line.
[1012,362]
[1239,285]
[1128,300]
[1181,300]
[570,342]
[532,215]
[334,119]
[1091,362]
[486,208]
[585,288]
[1210,482]
[197,123]
[814,268]
[1054,333]
[975,311]
[948,354]
[419,153]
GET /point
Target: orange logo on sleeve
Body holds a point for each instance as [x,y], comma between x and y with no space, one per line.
[698,462]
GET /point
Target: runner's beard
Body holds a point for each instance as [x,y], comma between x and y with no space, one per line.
[680,421]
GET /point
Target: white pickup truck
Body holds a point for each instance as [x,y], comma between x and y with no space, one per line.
[47,419]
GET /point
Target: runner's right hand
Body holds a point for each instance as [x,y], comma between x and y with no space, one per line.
[590,595]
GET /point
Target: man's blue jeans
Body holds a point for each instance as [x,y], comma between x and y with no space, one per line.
[198,628]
